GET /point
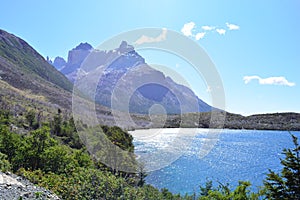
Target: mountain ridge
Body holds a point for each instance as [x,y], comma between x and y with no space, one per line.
[23,89]
[26,70]
[122,61]
[24,57]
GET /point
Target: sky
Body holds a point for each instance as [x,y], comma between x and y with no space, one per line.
[254,45]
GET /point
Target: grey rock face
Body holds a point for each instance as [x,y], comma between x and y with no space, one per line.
[13,187]
[59,63]
[125,73]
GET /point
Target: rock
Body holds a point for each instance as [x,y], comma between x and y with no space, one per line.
[8,180]
[59,63]
[124,47]
[126,68]
[75,57]
[84,46]
[48,60]
[13,187]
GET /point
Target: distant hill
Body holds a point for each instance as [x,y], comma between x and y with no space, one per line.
[122,62]
[271,121]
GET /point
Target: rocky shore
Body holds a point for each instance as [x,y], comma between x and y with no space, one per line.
[13,187]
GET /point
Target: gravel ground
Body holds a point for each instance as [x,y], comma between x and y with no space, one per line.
[14,187]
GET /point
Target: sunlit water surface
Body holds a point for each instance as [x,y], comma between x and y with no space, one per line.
[234,155]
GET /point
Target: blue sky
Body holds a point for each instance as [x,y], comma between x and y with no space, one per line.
[262,50]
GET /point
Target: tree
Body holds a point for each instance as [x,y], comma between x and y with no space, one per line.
[4,117]
[30,153]
[9,142]
[141,175]
[69,134]
[223,192]
[31,119]
[204,190]
[57,123]
[285,185]
[56,158]
[4,164]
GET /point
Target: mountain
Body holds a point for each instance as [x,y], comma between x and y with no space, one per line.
[28,81]
[59,63]
[76,56]
[25,74]
[123,62]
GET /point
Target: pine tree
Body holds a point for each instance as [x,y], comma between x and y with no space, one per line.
[57,124]
[30,117]
[285,185]
[141,175]
[208,187]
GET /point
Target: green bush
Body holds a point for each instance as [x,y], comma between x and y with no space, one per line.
[4,163]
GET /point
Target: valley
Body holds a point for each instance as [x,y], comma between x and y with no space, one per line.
[39,123]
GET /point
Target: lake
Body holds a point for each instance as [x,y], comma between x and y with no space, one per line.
[183,159]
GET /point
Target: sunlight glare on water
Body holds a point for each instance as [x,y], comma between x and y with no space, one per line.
[238,155]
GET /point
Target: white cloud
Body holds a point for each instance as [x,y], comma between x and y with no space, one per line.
[269,81]
[147,39]
[200,35]
[221,31]
[232,26]
[187,28]
[208,28]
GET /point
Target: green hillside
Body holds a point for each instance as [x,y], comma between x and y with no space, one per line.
[26,75]
[28,62]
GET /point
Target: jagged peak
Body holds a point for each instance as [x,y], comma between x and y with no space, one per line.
[58,58]
[125,47]
[83,46]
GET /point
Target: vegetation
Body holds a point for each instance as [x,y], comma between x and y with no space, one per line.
[241,192]
[29,61]
[47,156]
[4,163]
[51,155]
[43,145]
[27,80]
[285,185]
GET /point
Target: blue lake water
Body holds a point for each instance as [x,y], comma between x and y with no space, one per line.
[236,155]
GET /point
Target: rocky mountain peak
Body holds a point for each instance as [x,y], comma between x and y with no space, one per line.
[76,56]
[125,47]
[59,62]
[84,46]
[124,61]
